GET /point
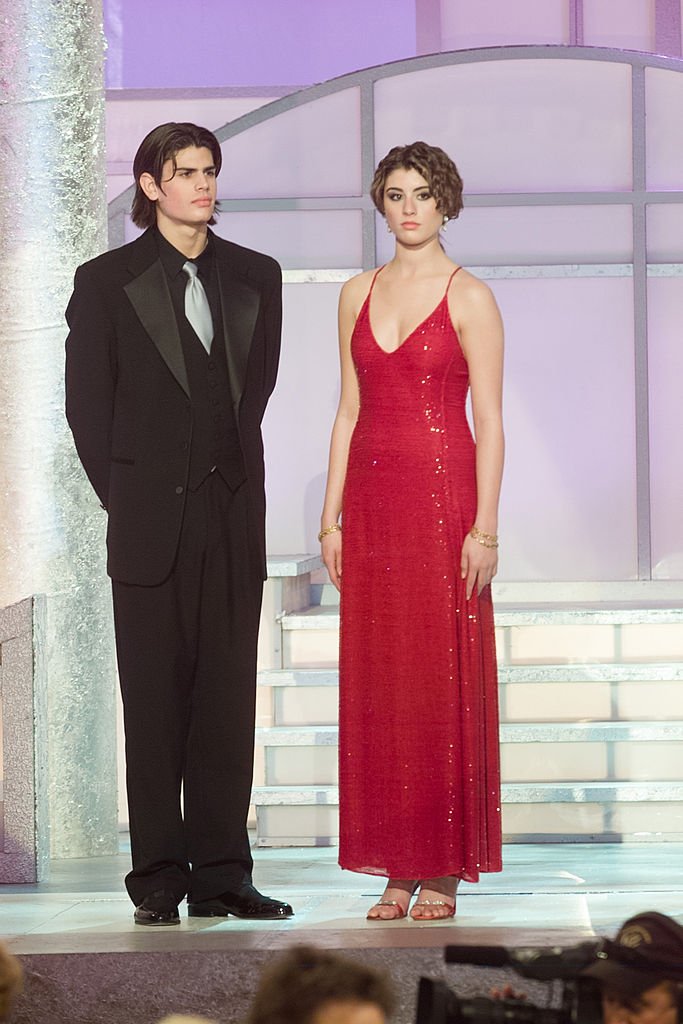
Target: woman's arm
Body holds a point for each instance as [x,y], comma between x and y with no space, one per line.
[344,423]
[481,336]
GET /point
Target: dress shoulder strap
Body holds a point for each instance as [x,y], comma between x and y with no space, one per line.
[365,308]
[449,280]
[374,278]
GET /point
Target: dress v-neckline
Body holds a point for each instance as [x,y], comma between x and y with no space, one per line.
[393,351]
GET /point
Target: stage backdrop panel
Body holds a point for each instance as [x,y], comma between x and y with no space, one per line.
[665,234]
[300,416]
[312,150]
[665,316]
[490,22]
[664,150]
[299,238]
[286,42]
[517,125]
[293,43]
[532,235]
[568,508]
[629,24]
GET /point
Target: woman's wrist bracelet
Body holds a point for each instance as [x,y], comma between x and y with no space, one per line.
[327,530]
[487,540]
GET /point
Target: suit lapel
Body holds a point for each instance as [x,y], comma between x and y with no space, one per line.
[240,303]
[151,299]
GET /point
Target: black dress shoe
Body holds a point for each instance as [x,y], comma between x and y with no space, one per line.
[159,908]
[248,902]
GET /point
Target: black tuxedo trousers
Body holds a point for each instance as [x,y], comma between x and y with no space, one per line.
[187,661]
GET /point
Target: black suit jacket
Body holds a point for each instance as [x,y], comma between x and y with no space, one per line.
[127,394]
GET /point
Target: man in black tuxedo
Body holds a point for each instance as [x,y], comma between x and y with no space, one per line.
[172,355]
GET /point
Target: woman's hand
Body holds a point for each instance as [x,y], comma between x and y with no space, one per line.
[478,565]
[332,556]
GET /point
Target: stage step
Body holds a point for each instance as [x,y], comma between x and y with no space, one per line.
[556,614]
[559,753]
[536,812]
[554,633]
[531,732]
[637,691]
[512,793]
[591,720]
[299,697]
[574,672]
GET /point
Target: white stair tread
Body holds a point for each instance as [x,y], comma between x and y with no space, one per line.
[511,793]
[517,732]
[264,796]
[318,616]
[292,565]
[327,616]
[591,792]
[571,672]
[301,677]
[299,736]
[587,672]
[587,732]
[588,613]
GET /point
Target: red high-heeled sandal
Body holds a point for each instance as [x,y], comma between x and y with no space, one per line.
[434,887]
[401,910]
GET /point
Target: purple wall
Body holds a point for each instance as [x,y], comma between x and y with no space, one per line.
[220,43]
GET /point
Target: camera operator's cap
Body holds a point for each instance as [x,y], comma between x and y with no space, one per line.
[647,949]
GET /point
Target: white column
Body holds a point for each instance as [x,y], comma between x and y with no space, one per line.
[53,217]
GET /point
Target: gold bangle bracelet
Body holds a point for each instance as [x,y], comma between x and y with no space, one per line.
[487,540]
[334,528]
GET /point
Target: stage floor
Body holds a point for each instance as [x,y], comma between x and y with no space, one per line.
[547,893]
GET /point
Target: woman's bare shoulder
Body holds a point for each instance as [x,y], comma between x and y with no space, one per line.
[470,283]
[471,290]
[355,291]
[359,284]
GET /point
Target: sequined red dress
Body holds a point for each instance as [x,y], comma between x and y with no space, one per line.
[418,725]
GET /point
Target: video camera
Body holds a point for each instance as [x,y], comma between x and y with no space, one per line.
[579,1001]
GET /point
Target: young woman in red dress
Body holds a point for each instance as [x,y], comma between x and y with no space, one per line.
[418,499]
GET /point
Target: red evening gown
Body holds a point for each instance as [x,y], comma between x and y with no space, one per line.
[418,725]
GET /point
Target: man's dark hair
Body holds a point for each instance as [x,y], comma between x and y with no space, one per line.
[162,144]
[304,979]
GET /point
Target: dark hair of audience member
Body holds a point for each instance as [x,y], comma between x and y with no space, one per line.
[304,979]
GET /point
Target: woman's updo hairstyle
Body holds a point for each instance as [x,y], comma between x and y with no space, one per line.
[435,166]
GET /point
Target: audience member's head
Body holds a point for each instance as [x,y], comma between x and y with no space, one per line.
[315,986]
[641,971]
[11,979]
